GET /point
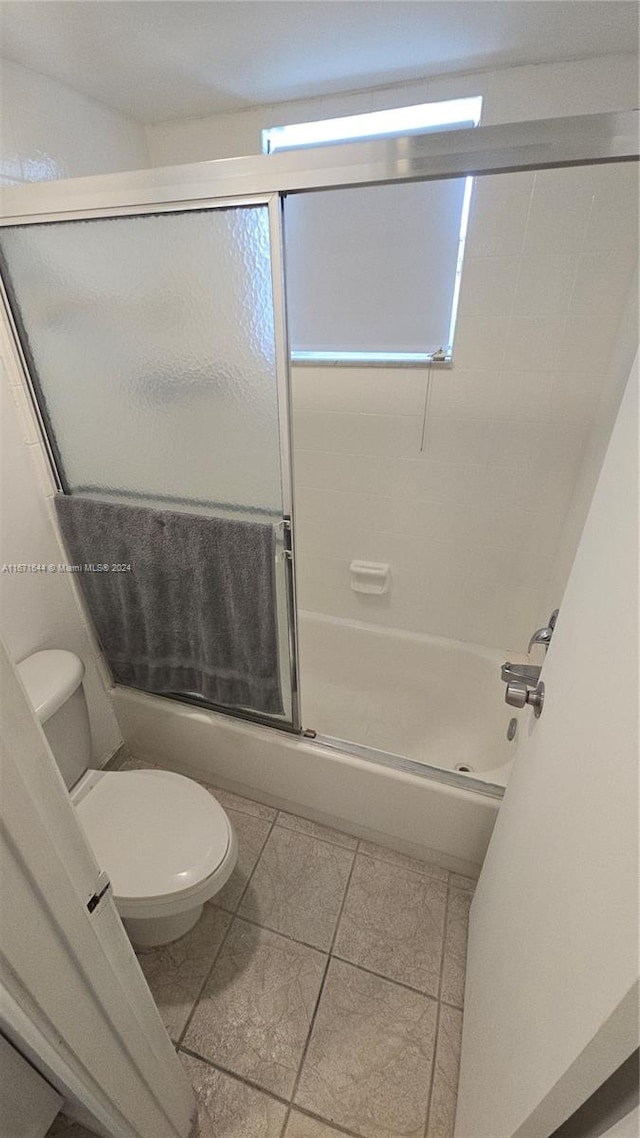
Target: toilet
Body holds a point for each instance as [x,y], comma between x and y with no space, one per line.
[165,843]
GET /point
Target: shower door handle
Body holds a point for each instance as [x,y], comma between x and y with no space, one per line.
[519,695]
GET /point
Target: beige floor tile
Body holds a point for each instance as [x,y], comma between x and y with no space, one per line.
[381,853]
[228,1108]
[301,1126]
[253,1017]
[314,830]
[455,947]
[63,1127]
[175,972]
[458,882]
[393,923]
[369,1059]
[232,801]
[442,1112]
[298,887]
[251,833]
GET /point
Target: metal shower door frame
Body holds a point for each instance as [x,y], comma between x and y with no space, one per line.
[577,140]
[273,203]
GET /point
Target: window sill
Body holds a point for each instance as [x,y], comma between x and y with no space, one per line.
[368,359]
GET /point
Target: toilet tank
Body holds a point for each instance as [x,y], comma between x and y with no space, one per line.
[53,681]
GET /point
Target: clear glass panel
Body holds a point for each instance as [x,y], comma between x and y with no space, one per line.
[152,342]
[153,339]
[470,482]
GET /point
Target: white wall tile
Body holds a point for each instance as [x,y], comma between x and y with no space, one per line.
[602,282]
[488,285]
[587,345]
[560,208]
[533,345]
[498,216]
[574,396]
[544,285]
[613,220]
[465,438]
[499,395]
[479,342]
[394,435]
[379,390]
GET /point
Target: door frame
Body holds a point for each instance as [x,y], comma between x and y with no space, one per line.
[73,999]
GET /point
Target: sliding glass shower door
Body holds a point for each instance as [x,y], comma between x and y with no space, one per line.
[156,347]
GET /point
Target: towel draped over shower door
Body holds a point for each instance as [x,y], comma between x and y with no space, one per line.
[182,603]
[157,348]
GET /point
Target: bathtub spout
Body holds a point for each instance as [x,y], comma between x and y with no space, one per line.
[543,635]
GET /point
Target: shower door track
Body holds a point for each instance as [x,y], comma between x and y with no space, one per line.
[411,766]
[266,178]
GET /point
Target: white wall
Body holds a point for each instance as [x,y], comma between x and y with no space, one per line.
[41,610]
[472,526]
[49,131]
[514,94]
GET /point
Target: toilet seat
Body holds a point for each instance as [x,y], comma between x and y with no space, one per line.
[164,841]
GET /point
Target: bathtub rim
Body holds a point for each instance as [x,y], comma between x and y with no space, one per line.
[434,822]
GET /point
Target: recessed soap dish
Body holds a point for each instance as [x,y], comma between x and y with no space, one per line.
[369,577]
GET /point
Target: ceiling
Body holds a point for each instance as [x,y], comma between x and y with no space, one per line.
[169,59]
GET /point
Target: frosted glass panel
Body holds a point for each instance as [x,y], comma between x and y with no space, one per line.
[153,341]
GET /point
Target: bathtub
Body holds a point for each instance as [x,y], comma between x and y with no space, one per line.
[437,702]
[433,701]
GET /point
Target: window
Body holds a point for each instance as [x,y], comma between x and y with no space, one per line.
[373,272]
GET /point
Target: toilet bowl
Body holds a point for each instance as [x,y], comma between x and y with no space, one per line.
[165,843]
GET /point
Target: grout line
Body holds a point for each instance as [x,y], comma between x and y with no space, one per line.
[322,986]
[224,939]
[233,1074]
[381,976]
[327,1122]
[269,1094]
[242,797]
[407,868]
[204,982]
[277,932]
[316,837]
[432,1073]
[444,939]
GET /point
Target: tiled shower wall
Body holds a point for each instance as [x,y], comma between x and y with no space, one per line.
[471,524]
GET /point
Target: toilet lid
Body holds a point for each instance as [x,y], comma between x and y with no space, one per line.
[154,832]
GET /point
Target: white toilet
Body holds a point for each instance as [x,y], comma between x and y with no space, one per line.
[165,843]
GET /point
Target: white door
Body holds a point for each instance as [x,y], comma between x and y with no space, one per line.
[73,1000]
[551,1005]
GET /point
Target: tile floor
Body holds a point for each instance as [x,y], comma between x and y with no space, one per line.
[321,993]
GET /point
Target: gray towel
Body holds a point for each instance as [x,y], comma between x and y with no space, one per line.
[197,611]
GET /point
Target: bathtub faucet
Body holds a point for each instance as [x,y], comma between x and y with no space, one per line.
[543,635]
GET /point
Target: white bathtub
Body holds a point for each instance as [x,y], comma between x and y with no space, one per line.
[408,812]
[439,702]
